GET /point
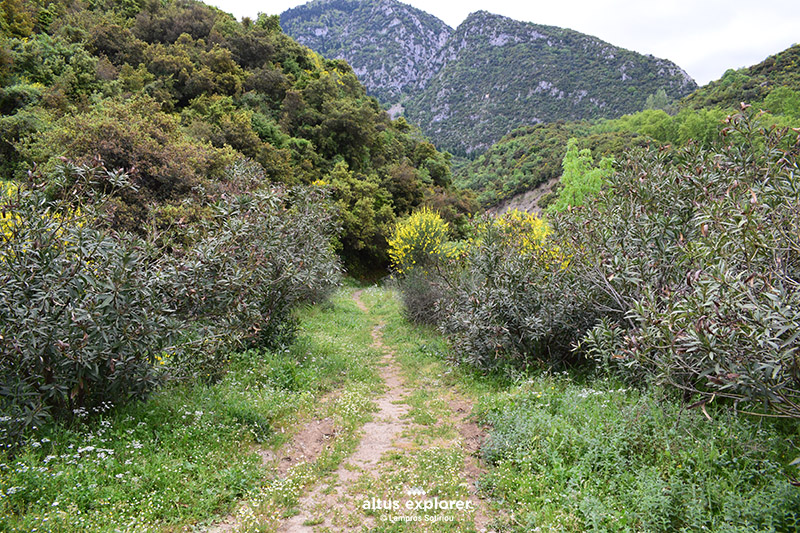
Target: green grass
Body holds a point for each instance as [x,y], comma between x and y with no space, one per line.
[188,454]
[601,457]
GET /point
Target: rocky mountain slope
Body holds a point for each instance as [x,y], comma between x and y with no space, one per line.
[392,47]
[468,87]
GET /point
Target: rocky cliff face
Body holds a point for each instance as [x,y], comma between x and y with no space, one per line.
[467,87]
[392,47]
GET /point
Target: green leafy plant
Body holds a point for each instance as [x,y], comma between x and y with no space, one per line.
[81,322]
[580,179]
[700,286]
[260,256]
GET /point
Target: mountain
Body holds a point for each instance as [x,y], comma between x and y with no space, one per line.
[530,157]
[392,47]
[468,87]
[499,72]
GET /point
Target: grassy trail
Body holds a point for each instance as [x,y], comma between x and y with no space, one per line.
[413,468]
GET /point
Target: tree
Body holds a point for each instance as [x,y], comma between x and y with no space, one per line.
[660,100]
[580,178]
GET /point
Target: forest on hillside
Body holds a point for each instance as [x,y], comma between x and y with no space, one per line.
[178,93]
[530,156]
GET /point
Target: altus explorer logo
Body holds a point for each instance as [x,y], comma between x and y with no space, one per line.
[417,502]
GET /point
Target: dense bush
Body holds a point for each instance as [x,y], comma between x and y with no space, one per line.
[81,323]
[419,241]
[93,316]
[683,270]
[510,297]
[697,255]
[418,248]
[132,134]
[260,256]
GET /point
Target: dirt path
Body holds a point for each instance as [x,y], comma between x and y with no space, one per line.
[412,467]
[383,471]
[328,504]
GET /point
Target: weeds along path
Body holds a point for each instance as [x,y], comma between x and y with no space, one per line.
[414,467]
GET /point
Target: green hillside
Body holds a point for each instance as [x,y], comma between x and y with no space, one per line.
[530,156]
[181,93]
[751,84]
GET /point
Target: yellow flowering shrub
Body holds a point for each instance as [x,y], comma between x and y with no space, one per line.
[8,219]
[525,230]
[418,239]
[522,233]
[531,236]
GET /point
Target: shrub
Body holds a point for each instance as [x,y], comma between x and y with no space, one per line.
[418,241]
[80,322]
[511,299]
[92,316]
[64,67]
[134,134]
[422,294]
[695,258]
[418,248]
[259,256]
[682,271]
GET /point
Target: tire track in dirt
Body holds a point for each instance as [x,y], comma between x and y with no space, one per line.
[306,446]
[472,436]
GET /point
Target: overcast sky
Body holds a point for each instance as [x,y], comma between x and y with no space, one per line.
[704,37]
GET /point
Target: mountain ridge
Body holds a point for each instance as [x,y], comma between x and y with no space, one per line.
[475,83]
[394,20]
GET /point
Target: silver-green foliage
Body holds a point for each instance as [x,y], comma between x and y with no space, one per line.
[91,316]
[502,306]
[80,323]
[260,256]
[683,270]
[697,256]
